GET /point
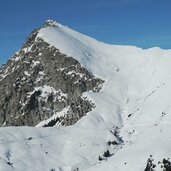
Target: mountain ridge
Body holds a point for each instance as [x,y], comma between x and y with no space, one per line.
[33,70]
[121,103]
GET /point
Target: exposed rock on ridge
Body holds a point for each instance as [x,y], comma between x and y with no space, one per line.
[39,82]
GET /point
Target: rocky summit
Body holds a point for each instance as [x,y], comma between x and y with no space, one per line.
[39,83]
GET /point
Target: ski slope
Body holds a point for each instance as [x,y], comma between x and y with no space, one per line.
[134,102]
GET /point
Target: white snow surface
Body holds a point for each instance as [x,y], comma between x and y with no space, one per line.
[135,98]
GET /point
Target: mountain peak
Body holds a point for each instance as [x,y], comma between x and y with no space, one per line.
[115,99]
[51,23]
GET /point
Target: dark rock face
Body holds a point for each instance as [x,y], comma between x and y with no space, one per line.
[39,81]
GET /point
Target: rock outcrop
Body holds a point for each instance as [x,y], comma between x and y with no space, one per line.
[40,83]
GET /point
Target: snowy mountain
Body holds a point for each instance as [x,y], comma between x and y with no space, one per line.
[109,105]
[44,85]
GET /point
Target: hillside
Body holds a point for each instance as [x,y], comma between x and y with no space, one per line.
[109,105]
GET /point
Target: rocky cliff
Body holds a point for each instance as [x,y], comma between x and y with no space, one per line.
[39,83]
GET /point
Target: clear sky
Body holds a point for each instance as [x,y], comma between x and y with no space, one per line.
[144,23]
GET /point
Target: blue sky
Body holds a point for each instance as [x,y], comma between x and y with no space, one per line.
[144,23]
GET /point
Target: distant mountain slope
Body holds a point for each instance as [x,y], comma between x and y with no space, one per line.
[114,99]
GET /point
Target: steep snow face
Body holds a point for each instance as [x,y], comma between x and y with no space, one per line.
[135,96]
[103,61]
[132,74]
[132,110]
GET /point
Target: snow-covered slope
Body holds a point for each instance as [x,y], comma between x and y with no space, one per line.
[132,110]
